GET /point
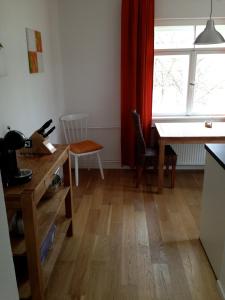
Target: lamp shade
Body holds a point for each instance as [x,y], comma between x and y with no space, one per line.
[210,35]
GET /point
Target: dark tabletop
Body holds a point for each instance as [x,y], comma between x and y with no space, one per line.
[218,152]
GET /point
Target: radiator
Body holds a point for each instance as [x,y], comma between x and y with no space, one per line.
[190,155]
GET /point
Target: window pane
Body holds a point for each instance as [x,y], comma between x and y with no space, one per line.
[170,84]
[167,37]
[220,28]
[209,94]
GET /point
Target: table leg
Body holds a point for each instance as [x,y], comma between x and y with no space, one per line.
[161,165]
[29,212]
[69,197]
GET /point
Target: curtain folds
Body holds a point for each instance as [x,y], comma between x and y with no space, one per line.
[137,59]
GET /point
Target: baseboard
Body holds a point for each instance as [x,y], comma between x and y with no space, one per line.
[107,164]
[116,164]
[110,164]
[190,167]
[221,290]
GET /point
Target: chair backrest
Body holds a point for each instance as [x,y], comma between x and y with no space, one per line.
[140,142]
[74,127]
[154,137]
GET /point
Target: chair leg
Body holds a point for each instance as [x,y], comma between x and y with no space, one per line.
[100,165]
[89,158]
[155,165]
[139,171]
[76,170]
[173,172]
[167,166]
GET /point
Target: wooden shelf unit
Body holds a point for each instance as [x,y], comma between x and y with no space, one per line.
[39,214]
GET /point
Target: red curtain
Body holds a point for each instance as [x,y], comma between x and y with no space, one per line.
[137,59]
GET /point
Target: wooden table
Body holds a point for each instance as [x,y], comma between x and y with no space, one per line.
[39,214]
[186,133]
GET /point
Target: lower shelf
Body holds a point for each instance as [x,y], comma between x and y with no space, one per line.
[62,224]
[47,212]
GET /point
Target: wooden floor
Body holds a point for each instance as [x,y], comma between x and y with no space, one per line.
[133,243]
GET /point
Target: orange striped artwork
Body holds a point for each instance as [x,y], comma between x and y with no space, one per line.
[38,41]
[35,51]
[33,62]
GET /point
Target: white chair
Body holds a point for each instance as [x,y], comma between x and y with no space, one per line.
[75,132]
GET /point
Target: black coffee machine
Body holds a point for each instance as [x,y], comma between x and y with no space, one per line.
[11,174]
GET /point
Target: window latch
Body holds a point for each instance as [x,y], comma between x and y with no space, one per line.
[192,83]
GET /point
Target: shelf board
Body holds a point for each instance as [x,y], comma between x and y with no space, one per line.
[62,224]
[47,211]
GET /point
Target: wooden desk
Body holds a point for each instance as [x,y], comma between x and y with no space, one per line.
[39,215]
[186,133]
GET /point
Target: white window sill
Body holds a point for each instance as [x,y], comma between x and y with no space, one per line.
[177,119]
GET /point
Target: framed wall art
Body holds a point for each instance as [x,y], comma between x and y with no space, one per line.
[35,51]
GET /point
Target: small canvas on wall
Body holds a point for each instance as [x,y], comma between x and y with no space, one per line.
[35,51]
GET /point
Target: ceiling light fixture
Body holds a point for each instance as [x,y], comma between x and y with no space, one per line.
[210,35]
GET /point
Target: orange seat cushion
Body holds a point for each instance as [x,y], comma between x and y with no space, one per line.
[85,146]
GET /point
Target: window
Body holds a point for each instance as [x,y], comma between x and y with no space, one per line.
[188,80]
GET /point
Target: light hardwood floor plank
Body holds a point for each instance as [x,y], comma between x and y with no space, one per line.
[133,243]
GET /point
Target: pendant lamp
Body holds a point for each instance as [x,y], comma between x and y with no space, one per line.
[210,35]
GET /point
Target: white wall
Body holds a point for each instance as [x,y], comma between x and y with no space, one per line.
[165,9]
[8,287]
[27,100]
[90,39]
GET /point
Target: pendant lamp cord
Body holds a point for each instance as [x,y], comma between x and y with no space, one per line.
[211,11]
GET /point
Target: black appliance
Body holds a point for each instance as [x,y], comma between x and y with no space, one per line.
[11,174]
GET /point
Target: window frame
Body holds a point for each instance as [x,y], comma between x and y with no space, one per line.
[192,53]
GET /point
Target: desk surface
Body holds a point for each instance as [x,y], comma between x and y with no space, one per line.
[190,129]
[186,133]
[42,166]
[218,153]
